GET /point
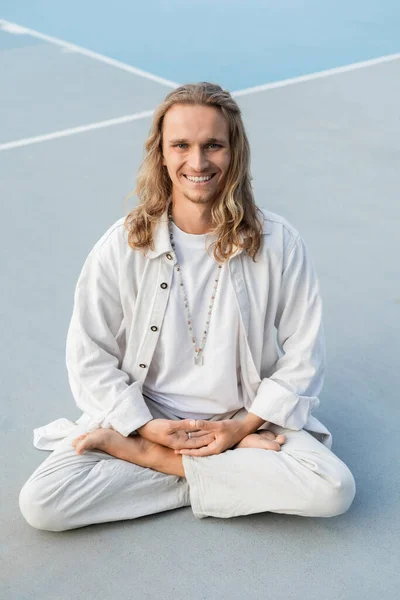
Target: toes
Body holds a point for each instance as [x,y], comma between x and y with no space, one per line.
[79,443]
[274,446]
[80,447]
[78,439]
[272,437]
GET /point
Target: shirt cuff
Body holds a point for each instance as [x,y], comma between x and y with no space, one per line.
[278,405]
[130,412]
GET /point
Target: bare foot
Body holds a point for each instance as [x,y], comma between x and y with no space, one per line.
[99,439]
[134,449]
[262,439]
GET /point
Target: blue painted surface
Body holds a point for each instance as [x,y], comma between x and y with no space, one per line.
[235,43]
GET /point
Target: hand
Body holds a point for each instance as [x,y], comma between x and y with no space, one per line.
[172,434]
[224,434]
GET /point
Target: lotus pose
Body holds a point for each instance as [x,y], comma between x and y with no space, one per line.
[195,349]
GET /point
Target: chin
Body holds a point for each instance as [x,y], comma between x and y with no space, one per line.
[198,199]
[202,198]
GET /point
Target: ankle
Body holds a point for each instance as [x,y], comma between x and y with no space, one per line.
[113,442]
[164,459]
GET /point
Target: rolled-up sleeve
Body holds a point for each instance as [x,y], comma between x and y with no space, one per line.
[93,356]
[288,396]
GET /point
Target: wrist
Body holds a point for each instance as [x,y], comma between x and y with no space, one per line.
[142,430]
[251,423]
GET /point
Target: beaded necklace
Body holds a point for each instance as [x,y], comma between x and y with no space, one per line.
[198,349]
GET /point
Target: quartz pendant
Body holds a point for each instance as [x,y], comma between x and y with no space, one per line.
[198,359]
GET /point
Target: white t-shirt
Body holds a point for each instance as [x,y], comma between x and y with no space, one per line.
[173,380]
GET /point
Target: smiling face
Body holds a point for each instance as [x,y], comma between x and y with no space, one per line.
[196,152]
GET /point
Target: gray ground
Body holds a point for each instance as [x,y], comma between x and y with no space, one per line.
[324,157]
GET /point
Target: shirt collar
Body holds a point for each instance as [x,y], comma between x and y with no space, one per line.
[162,243]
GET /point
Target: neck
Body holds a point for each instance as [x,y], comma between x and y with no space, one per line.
[191,217]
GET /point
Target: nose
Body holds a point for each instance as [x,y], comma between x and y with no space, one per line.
[197,160]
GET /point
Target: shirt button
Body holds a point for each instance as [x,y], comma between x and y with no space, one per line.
[169,256]
[143,366]
[153,328]
[164,286]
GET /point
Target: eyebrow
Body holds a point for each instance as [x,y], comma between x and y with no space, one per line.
[208,141]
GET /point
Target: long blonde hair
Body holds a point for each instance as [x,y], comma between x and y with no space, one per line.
[234,214]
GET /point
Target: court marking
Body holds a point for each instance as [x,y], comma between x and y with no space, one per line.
[16,29]
[21,30]
[73,130]
[317,75]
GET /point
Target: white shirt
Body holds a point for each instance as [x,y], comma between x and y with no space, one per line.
[173,380]
[122,293]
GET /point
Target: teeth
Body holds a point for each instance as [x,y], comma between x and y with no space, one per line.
[198,179]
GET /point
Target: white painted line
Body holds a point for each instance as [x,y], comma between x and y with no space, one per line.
[20,30]
[82,129]
[317,75]
[67,47]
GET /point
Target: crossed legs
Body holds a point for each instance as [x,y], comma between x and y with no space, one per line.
[70,490]
[145,453]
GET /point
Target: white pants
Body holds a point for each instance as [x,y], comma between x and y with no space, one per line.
[305,478]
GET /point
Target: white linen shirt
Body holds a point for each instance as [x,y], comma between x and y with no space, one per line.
[119,306]
[173,380]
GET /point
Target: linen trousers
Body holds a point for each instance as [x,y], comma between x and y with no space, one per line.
[305,478]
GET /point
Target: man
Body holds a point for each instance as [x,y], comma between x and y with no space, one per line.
[188,398]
